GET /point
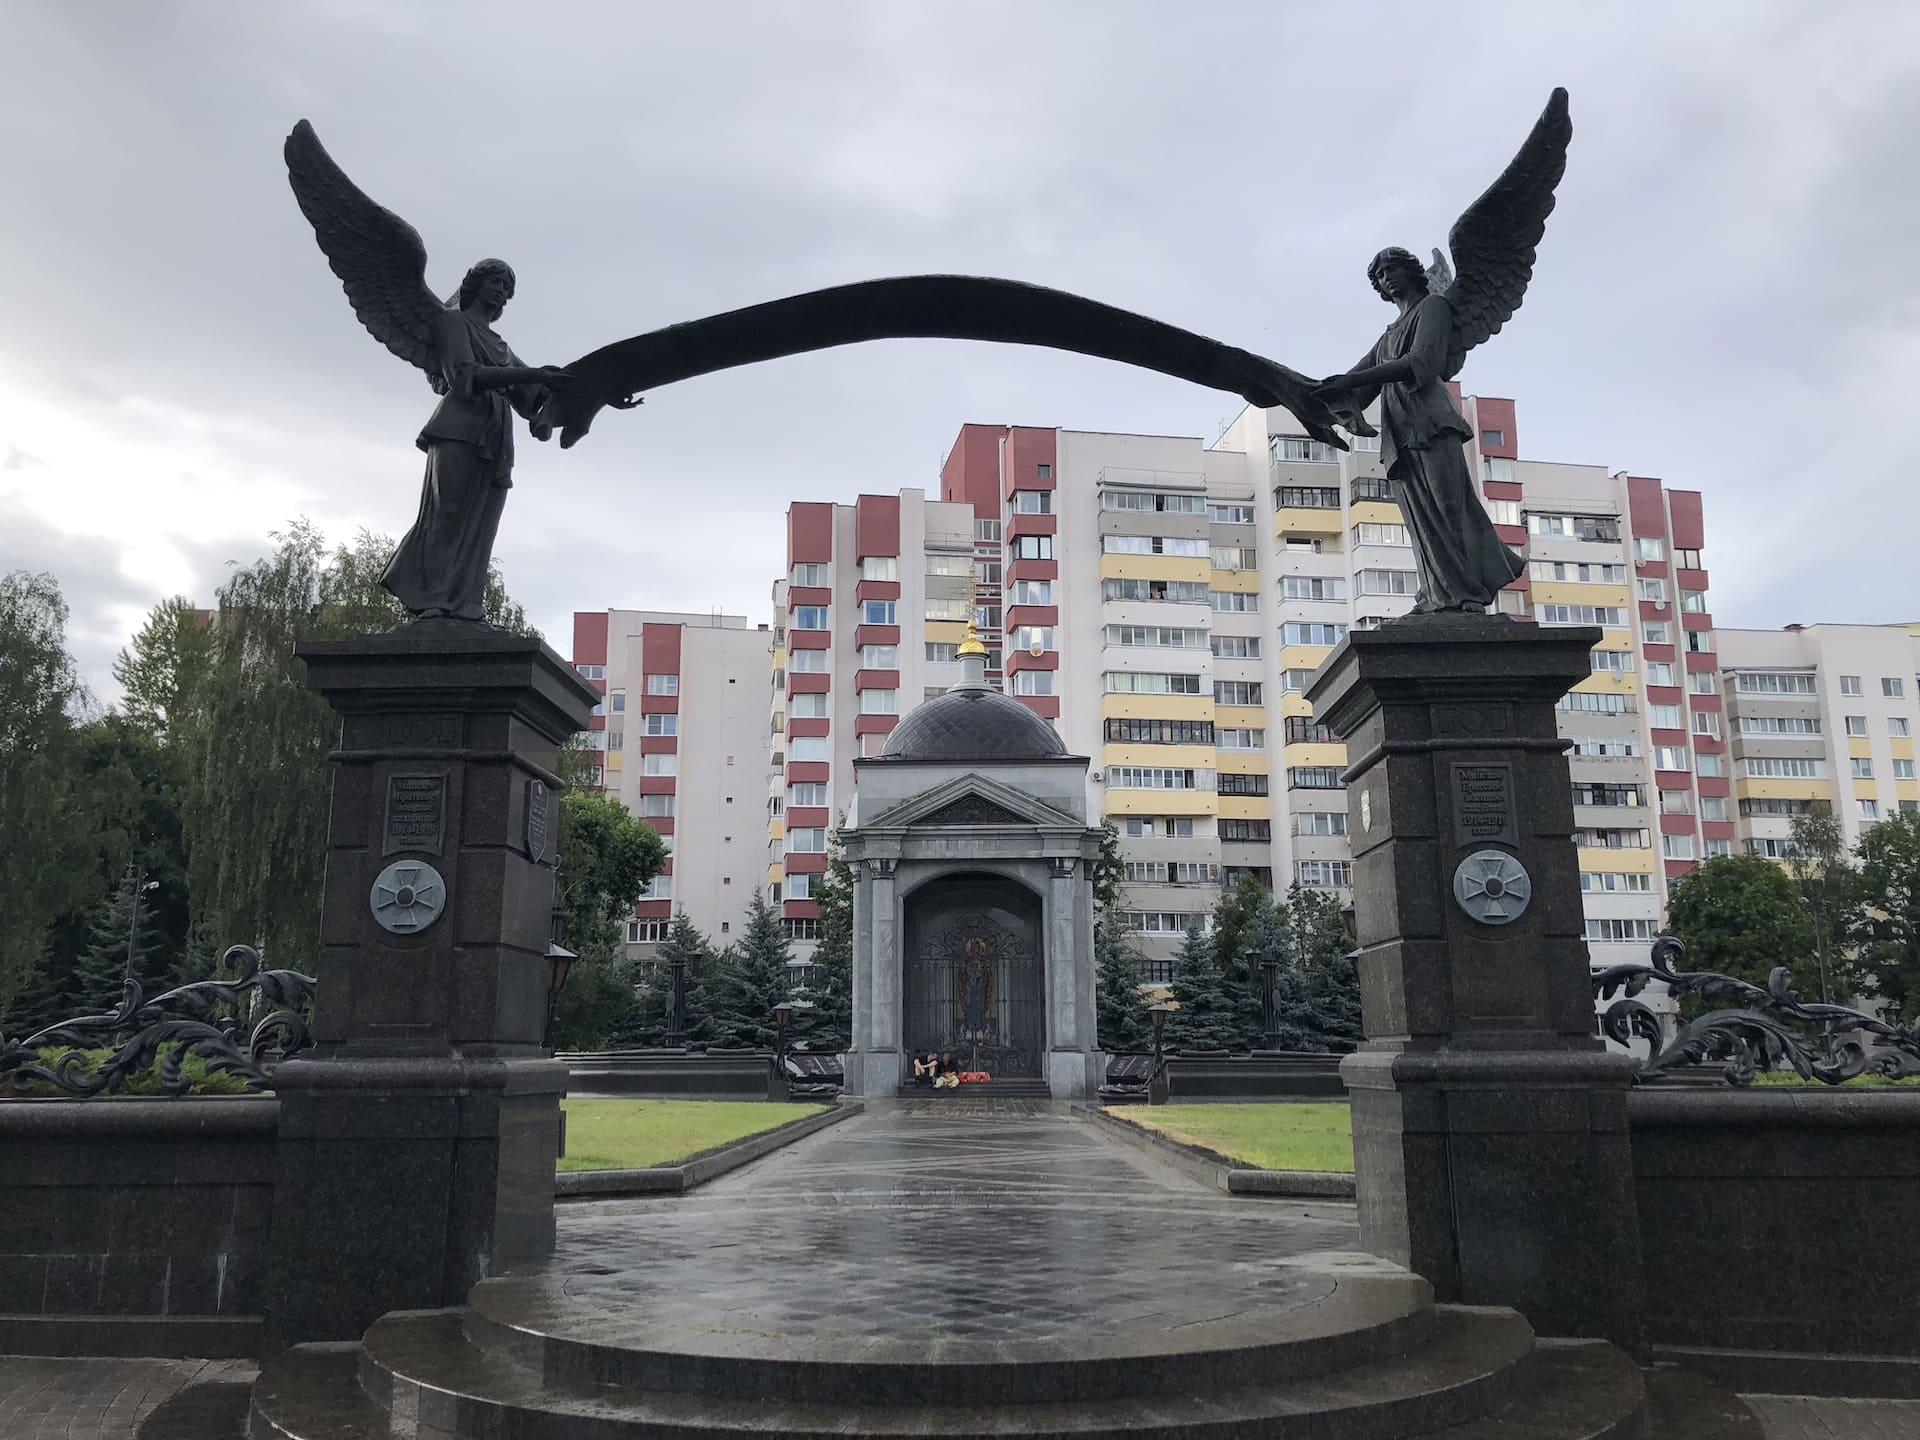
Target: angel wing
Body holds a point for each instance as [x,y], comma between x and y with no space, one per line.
[378,256]
[1494,242]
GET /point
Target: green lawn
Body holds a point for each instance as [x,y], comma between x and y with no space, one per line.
[636,1134]
[1267,1137]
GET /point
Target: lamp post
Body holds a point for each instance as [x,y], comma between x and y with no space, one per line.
[777,1076]
[1270,1001]
[1157,1086]
[559,960]
[141,886]
[677,1001]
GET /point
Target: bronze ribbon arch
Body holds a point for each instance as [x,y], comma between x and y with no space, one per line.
[951,307]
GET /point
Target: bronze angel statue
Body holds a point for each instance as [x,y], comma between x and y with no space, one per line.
[1462,563]
[439,570]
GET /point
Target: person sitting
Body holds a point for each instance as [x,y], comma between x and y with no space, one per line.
[927,1071]
[947,1076]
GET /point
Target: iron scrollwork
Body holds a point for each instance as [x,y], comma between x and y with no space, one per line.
[1758,1026]
[172,1025]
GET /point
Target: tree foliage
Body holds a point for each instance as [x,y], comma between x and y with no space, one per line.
[1829,887]
[1236,921]
[737,994]
[1886,926]
[1207,1018]
[828,1027]
[163,665]
[1324,1000]
[1742,915]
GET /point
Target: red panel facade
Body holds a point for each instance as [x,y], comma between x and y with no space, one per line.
[809,533]
[876,680]
[808,817]
[1031,459]
[808,682]
[1495,414]
[874,724]
[803,726]
[1646,507]
[876,590]
[1689,523]
[972,470]
[876,635]
[876,525]
[1046,706]
[589,637]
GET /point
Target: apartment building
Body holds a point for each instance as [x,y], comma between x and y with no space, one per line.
[1821,716]
[681,737]
[867,620]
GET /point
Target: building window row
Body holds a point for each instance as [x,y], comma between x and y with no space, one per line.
[1160,732]
[1235,647]
[1246,829]
[1320,822]
[1774,767]
[1605,747]
[1232,784]
[1168,827]
[1167,922]
[1231,739]
[1157,502]
[1238,692]
[1233,602]
[1157,777]
[1306,497]
[1613,839]
[1778,682]
[1577,572]
[1616,882]
[1615,932]
[1312,632]
[1618,796]
[1172,872]
[1574,527]
[1323,874]
[1148,682]
[1299,450]
[1177,592]
[1229,512]
[1313,777]
[1161,637]
[1181,545]
[1611,616]
[1314,587]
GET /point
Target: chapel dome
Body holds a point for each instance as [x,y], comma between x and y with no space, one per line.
[969,723]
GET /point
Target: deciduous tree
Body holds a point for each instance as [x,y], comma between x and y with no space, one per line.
[1887,927]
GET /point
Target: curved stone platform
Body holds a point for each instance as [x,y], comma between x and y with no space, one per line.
[936,1272]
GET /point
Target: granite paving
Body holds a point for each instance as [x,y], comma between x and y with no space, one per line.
[57,1399]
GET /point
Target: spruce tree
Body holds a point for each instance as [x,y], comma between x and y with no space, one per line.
[1236,920]
[739,993]
[1123,1025]
[116,949]
[1207,1018]
[828,1027]
[1270,946]
[649,1022]
[1328,1007]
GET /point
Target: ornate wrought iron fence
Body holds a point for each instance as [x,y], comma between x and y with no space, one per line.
[165,1030]
[1770,1026]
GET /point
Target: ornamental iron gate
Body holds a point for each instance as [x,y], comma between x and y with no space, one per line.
[974,980]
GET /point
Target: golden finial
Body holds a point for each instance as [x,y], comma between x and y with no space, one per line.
[971,645]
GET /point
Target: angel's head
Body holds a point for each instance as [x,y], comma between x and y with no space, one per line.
[490,283]
[1396,273]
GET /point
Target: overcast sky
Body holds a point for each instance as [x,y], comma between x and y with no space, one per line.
[1726,296]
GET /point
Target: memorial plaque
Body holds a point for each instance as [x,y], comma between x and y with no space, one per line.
[416,813]
[537,820]
[1483,805]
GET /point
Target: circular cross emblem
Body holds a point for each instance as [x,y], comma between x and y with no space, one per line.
[1492,887]
[408,896]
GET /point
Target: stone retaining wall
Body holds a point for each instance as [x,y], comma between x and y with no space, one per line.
[135,1226]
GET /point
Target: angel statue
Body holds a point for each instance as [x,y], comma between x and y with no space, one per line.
[1461,561]
[439,570]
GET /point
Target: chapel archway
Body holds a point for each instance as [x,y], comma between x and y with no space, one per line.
[973,971]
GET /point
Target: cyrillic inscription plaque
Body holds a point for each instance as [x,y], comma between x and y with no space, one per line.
[416,813]
[1483,805]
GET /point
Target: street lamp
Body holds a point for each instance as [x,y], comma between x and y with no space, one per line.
[1157,1087]
[141,886]
[559,960]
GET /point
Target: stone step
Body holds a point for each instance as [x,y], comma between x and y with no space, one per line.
[1364,1319]
[1467,1369]
[312,1392]
[996,1090]
[1570,1390]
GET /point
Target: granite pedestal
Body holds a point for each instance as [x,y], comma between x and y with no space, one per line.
[1490,1123]
[417,1139]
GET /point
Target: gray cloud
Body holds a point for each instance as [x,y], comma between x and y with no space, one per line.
[1713,305]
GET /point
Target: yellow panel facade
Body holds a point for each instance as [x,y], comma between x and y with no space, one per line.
[1866,789]
[1155,567]
[1157,707]
[1570,592]
[615,761]
[1315,755]
[1184,757]
[945,632]
[1639,862]
[1245,581]
[1860,747]
[776,874]
[1240,717]
[1749,789]
[1376,512]
[1160,802]
[1615,640]
[1303,657]
[1605,682]
[1906,789]
[1294,704]
[1901,747]
[777,828]
[1246,807]
[1240,762]
[1292,521]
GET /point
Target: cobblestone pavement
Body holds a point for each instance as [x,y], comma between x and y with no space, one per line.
[1806,1417]
[49,1399]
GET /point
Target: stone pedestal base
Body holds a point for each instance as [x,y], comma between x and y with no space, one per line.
[400,1184]
[1503,1179]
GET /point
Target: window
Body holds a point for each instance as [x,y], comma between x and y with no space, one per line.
[1771,848]
[1297,449]
[1312,632]
[1664,717]
[941,653]
[1043,472]
[1669,757]
[1296,680]
[1849,685]
[1893,687]
[1860,767]
[1903,770]
[659,764]
[1609,746]
[1655,632]
[1153,502]
[952,566]
[879,657]
[1033,502]
[986,530]
[1574,527]
[877,612]
[1316,587]
[986,572]
[1578,573]
[1615,882]
[1702,682]
[881,567]
[812,574]
[879,702]
[1236,647]
[810,617]
[1719,849]
[800,927]
[666,724]
[1710,766]
[1033,547]
[1493,439]
[1137,682]
[1367,533]
[1225,513]
[1707,722]
[1897,726]
[1246,829]
[663,684]
[1186,548]
[1607,615]
[1610,839]
[656,807]
[1619,931]
[1231,784]
[1167,922]
[1034,638]
[1323,874]
[1676,802]
[1372,487]
[1313,777]
[1033,682]
[1159,637]
[1179,592]
[1306,497]
[1654,591]
[1588,792]
[1155,777]
[932,692]
[807,840]
[1320,822]
[1505,512]
[1694,602]
[808,662]
[646,932]
[1613,662]
[1773,767]
[808,792]
[807,707]
[1229,602]
[659,888]
[1649,549]
[1235,557]
[1160,732]
[808,748]
[616,739]
[1241,739]
[1595,704]
[1856,725]
[1869,809]
[592,672]
[1237,692]
[617,701]
[1659,672]
[1713,807]
[798,887]
[1389,582]
[1032,592]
